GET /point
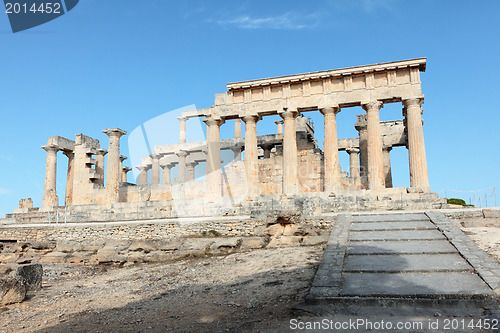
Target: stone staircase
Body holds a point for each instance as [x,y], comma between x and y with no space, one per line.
[403,258]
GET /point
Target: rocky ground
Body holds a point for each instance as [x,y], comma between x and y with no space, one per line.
[224,293]
[240,292]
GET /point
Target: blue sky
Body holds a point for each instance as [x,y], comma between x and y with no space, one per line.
[120,63]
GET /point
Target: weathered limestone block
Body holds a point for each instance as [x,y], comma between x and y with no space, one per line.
[143,246]
[68,246]
[12,290]
[5,269]
[315,240]
[80,258]
[136,257]
[32,274]
[160,256]
[250,243]
[107,255]
[8,258]
[54,258]
[491,213]
[25,203]
[195,247]
[285,241]
[225,245]
[43,245]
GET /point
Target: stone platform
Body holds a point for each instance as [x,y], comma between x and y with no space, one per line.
[414,259]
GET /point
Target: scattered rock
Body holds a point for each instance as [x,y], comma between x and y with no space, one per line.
[12,290]
[32,274]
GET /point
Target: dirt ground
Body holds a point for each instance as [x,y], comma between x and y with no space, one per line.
[224,293]
[242,292]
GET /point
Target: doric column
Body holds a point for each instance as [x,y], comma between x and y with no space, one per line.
[267,149]
[213,165]
[113,174]
[363,148]
[99,164]
[279,126]
[49,191]
[122,158]
[237,128]
[70,177]
[387,166]
[182,131]
[331,150]
[181,173]
[236,153]
[166,172]
[125,170]
[251,157]
[143,174]
[190,170]
[419,177]
[353,162]
[155,167]
[290,158]
[374,145]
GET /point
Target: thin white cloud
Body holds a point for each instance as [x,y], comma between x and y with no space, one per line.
[287,21]
[5,191]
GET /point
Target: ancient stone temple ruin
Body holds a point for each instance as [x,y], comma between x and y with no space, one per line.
[287,167]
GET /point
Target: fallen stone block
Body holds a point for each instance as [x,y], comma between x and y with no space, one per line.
[54,258]
[253,243]
[8,258]
[12,290]
[106,255]
[32,274]
[491,213]
[225,245]
[285,241]
[142,246]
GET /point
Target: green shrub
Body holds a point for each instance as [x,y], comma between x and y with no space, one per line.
[455,201]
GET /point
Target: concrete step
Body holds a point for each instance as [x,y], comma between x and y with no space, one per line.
[395,235]
[390,217]
[397,262]
[414,284]
[411,225]
[401,247]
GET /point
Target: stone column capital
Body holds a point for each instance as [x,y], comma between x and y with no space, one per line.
[101,152]
[126,169]
[142,168]
[387,148]
[123,158]
[352,150]
[182,118]
[279,122]
[251,119]
[116,132]
[330,110]
[168,166]
[182,153]
[413,102]
[372,106]
[193,163]
[50,148]
[289,114]
[213,122]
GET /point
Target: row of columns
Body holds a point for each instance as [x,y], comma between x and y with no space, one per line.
[375,162]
